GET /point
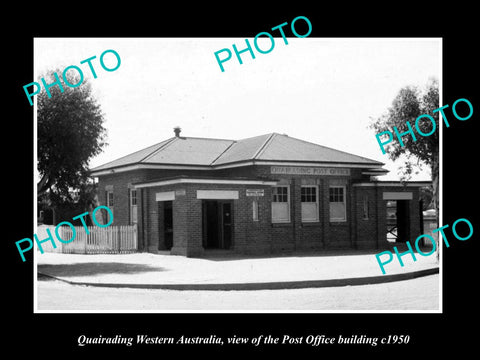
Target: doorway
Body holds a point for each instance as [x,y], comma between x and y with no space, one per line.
[168,224]
[217,224]
[403,220]
[398,220]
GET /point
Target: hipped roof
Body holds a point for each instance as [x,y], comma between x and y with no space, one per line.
[215,153]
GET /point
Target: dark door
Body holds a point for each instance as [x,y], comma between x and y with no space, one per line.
[217,224]
[210,225]
[226,225]
[168,224]
[403,220]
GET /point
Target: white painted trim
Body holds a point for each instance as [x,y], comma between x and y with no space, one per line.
[165,196]
[389,195]
[133,209]
[217,194]
[375,173]
[149,166]
[226,166]
[315,164]
[393,184]
[255,210]
[205,181]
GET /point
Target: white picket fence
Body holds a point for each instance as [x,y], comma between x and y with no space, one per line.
[109,240]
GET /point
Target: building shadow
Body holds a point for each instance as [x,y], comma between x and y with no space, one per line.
[94,268]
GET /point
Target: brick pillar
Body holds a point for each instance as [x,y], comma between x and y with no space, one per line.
[140,220]
[152,225]
[180,226]
[194,223]
[161,225]
[187,225]
[381,218]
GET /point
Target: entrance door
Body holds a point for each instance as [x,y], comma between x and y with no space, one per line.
[168,224]
[403,220]
[210,224]
[217,224]
[226,225]
[398,220]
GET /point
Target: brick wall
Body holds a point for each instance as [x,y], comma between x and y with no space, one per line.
[372,232]
[120,183]
[366,229]
[249,236]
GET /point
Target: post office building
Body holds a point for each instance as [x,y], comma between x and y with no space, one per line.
[265,194]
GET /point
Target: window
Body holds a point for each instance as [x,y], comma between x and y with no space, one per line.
[338,208]
[365,208]
[309,201]
[280,204]
[255,210]
[133,206]
[109,199]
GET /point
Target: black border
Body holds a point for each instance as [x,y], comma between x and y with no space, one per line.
[432,333]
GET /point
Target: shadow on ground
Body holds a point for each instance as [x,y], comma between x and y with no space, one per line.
[95,268]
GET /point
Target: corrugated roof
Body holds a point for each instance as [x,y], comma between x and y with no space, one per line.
[285,148]
[216,152]
[241,150]
[133,158]
[189,151]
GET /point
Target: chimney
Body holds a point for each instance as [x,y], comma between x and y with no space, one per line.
[177,130]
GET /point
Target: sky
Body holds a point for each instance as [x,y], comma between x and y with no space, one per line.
[322,90]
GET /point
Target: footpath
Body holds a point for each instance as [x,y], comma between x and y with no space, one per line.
[217,271]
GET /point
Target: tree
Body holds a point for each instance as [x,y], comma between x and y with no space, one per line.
[410,103]
[69,133]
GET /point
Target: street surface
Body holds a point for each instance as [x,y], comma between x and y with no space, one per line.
[416,294]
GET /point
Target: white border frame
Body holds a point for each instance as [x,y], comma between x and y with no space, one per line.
[283,311]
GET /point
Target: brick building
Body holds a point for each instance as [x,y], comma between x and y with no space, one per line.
[269,193]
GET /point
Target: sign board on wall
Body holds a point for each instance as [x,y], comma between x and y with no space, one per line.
[301,170]
[254,192]
[180,192]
